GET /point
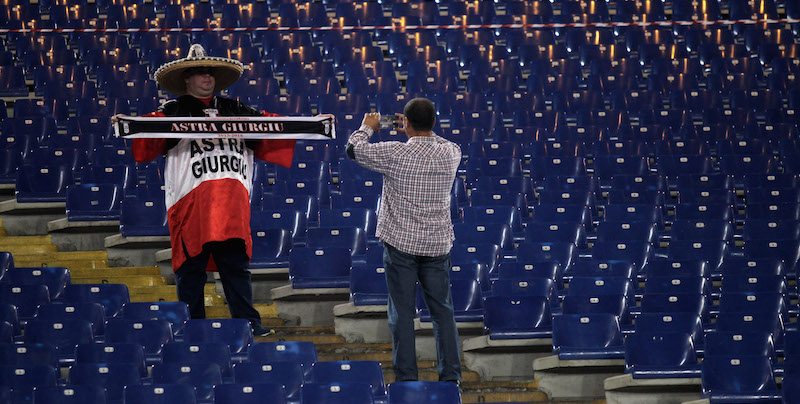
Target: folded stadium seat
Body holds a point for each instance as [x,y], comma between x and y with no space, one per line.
[706,181]
[161,393]
[261,85]
[489,255]
[287,104]
[355,104]
[787,250]
[405,54]
[53,57]
[678,165]
[529,271]
[755,284]
[92,312]
[587,336]
[185,14]
[235,332]
[336,393]
[271,247]
[287,375]
[55,278]
[541,231]
[761,321]
[29,354]
[677,285]
[301,53]
[772,196]
[622,231]
[26,299]
[501,198]
[469,53]
[766,99]
[493,233]
[25,379]
[302,352]
[203,377]
[672,322]
[689,147]
[712,251]
[248,393]
[563,253]
[634,101]
[42,183]
[308,205]
[199,353]
[111,295]
[636,197]
[637,253]
[350,217]
[509,215]
[431,76]
[13,82]
[367,372]
[368,284]
[707,197]
[760,229]
[738,165]
[695,100]
[560,166]
[740,343]
[8,315]
[517,317]
[65,335]
[693,229]
[326,267]
[350,237]
[567,183]
[669,66]
[662,354]
[693,303]
[772,212]
[93,202]
[549,213]
[704,212]
[122,352]
[114,377]
[143,216]
[87,394]
[568,198]
[739,379]
[467,301]
[298,85]
[150,334]
[176,313]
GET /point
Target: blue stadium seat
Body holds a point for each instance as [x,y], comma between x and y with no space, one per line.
[694,304]
[707,197]
[791,391]
[114,377]
[690,324]
[145,216]
[637,183]
[772,212]
[248,393]
[71,394]
[42,183]
[176,313]
[150,334]
[112,296]
[429,392]
[202,376]
[24,379]
[596,268]
[336,393]
[28,354]
[713,251]
[486,254]
[368,285]
[529,271]
[516,317]
[195,353]
[755,229]
[637,253]
[561,214]
[541,232]
[26,299]
[622,231]
[587,336]
[92,312]
[364,219]
[493,233]
[787,250]
[368,372]
[93,202]
[270,248]
[703,212]
[55,278]
[305,264]
[287,374]
[688,229]
[235,332]
[294,221]
[677,285]
[65,335]
[509,215]
[740,379]
[660,354]
[302,352]
[561,252]
[467,303]
[753,283]
[561,166]
[109,352]
[739,343]
[160,393]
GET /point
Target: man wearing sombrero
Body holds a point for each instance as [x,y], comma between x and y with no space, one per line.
[208,183]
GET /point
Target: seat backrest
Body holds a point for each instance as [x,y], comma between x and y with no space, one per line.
[177,313]
[92,312]
[26,298]
[288,374]
[428,392]
[733,374]
[70,395]
[248,393]
[202,376]
[198,352]
[161,393]
[25,378]
[111,295]
[336,393]
[112,352]
[56,278]
[235,332]
[578,331]
[150,334]
[28,354]
[303,352]
[65,335]
[659,349]
[113,376]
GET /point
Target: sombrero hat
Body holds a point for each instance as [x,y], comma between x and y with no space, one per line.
[170,75]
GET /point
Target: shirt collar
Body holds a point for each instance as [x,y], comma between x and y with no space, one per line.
[423,139]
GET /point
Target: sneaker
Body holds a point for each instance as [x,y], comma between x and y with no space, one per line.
[260,331]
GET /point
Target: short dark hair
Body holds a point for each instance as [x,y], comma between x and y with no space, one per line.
[421,114]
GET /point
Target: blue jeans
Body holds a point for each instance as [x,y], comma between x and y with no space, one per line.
[433,273]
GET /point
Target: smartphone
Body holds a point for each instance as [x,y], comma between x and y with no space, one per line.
[387,121]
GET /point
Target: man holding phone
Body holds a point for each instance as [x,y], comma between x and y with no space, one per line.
[415,228]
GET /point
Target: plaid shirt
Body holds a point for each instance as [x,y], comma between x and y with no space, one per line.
[417,178]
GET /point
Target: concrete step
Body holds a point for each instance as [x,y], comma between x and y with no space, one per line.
[69,259]
[113,271]
[168,293]
[131,281]
[30,249]
[266,311]
[24,240]
[317,335]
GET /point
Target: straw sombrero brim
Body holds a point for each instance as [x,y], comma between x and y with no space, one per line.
[170,75]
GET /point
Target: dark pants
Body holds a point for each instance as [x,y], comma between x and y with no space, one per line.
[433,273]
[232,262]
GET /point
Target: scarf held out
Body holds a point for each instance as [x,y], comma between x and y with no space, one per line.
[308,128]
